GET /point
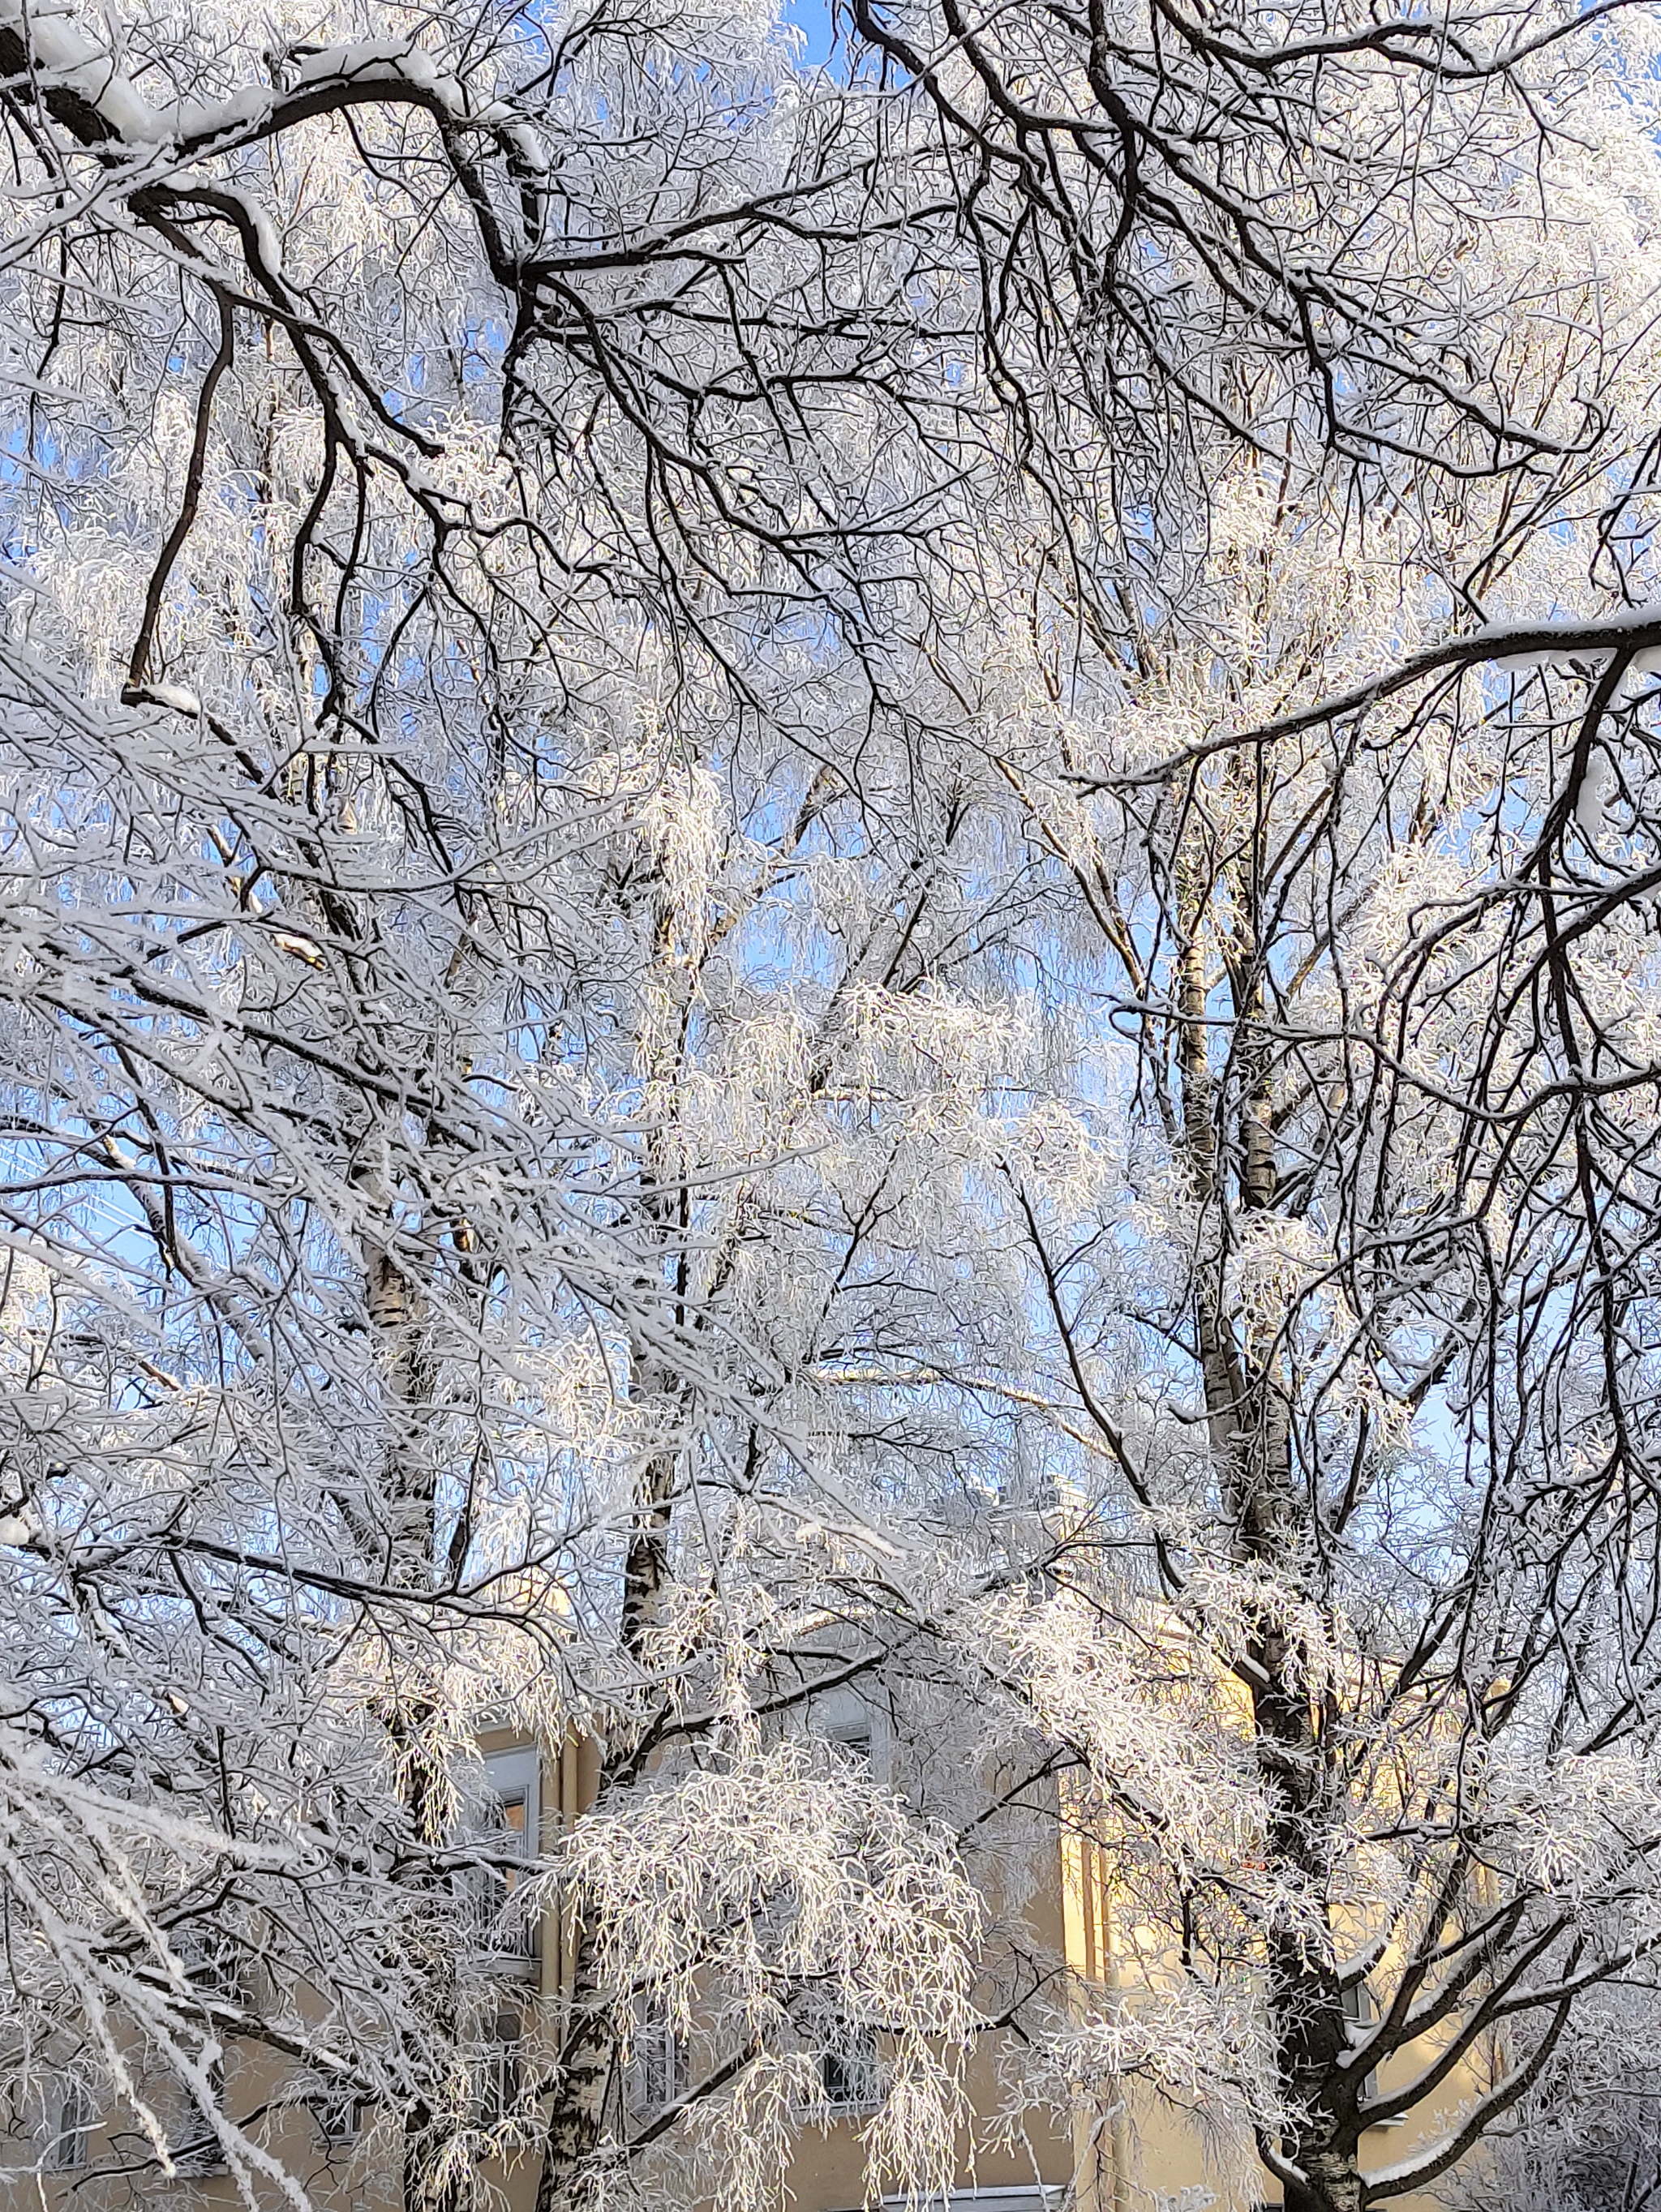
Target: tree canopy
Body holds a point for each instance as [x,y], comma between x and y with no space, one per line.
[828,873]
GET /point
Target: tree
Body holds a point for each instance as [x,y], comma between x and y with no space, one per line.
[385,1199]
[1362,1346]
[525,920]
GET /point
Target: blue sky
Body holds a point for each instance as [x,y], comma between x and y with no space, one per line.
[812,19]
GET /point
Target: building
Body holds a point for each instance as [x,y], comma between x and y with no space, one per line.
[1141,2157]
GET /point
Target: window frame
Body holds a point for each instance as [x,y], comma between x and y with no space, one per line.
[1361,2011]
[654,2045]
[337,2116]
[70,2123]
[502,2077]
[860,2061]
[510,1776]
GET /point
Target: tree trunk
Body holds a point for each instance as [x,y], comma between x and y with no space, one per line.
[588,2052]
[1247,1405]
[587,2060]
[1334,2182]
[409,1498]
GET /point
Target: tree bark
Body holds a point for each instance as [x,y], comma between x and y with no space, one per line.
[1248,1409]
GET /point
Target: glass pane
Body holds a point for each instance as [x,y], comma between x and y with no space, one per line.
[510,1814]
[849,2072]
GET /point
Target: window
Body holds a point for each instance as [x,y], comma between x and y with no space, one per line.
[854,1737]
[505,1822]
[657,2066]
[215,1963]
[850,2072]
[197,2152]
[1360,2012]
[194,2144]
[70,2137]
[500,2069]
[1357,2001]
[338,2115]
[1037,2196]
[843,1719]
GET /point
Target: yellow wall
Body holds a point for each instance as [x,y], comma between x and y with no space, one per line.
[1126,2162]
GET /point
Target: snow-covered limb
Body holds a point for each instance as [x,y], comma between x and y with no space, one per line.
[1631,634]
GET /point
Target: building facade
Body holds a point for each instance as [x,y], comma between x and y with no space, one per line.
[1139,2154]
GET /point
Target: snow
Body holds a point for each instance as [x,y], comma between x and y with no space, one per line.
[399,62]
[65,55]
[1598,787]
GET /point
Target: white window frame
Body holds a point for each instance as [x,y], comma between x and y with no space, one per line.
[501,2073]
[1361,2013]
[508,1774]
[657,2074]
[509,1777]
[843,1717]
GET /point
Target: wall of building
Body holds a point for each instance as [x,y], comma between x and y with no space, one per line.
[1144,2157]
